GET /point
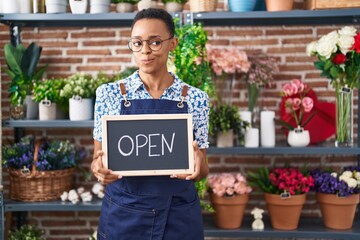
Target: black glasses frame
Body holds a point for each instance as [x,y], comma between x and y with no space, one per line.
[142,43]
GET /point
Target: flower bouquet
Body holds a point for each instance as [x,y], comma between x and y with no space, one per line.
[42,166]
[229,194]
[338,195]
[338,54]
[285,193]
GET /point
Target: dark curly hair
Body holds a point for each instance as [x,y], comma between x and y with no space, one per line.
[156,13]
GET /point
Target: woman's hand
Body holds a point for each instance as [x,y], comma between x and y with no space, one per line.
[103,175]
[200,167]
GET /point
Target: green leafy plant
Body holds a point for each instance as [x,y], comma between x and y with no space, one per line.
[224,117]
[82,85]
[26,232]
[21,63]
[202,187]
[48,89]
[176,1]
[125,1]
[190,57]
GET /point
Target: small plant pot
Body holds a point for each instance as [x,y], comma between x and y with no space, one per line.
[32,108]
[279,5]
[47,110]
[144,4]
[56,6]
[173,7]
[81,108]
[225,139]
[298,137]
[124,7]
[78,6]
[99,6]
[17,111]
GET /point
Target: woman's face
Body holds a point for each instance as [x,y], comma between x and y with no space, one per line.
[152,31]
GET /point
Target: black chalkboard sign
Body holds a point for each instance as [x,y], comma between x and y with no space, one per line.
[149,144]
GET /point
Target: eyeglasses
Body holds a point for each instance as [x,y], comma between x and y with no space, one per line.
[154,44]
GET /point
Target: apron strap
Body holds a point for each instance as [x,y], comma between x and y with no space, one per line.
[127,103]
[183,95]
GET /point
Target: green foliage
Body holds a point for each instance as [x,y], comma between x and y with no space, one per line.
[202,187]
[190,57]
[26,232]
[22,64]
[223,118]
[79,84]
[125,1]
[177,1]
[261,179]
[48,89]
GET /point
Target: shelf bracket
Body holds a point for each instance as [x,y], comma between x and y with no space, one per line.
[15,38]
[189,19]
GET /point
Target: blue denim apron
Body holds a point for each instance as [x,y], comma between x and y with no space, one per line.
[151,207]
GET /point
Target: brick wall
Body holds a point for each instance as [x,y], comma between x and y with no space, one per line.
[70,50]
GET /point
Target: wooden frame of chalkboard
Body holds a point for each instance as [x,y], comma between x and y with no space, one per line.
[148,144]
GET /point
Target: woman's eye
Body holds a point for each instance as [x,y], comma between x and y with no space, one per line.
[156,42]
[137,43]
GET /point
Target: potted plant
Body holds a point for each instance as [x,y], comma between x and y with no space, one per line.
[47,94]
[224,123]
[80,90]
[285,191]
[338,195]
[99,6]
[125,5]
[143,4]
[229,194]
[26,232]
[174,5]
[42,166]
[21,63]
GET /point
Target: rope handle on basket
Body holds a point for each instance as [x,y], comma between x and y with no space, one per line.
[38,143]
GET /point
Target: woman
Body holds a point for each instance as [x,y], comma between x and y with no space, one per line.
[157,207]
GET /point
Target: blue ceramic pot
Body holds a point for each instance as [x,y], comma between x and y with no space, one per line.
[242,5]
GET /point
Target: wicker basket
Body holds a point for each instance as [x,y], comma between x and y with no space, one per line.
[37,186]
[203,5]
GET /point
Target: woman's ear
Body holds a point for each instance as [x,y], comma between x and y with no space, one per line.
[174,43]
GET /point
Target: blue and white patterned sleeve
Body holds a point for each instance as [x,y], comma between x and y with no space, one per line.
[198,102]
[99,110]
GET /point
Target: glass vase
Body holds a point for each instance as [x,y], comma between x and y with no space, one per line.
[344,117]
[254,105]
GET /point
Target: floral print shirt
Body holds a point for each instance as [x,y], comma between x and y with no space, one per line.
[108,97]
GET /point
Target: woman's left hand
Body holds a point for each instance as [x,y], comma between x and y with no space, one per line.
[199,158]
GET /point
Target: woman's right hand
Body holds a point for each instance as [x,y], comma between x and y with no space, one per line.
[103,175]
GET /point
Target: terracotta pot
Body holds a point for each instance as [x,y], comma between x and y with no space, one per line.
[229,211]
[337,212]
[284,212]
[279,5]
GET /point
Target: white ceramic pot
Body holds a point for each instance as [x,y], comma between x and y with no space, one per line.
[25,6]
[144,4]
[298,137]
[99,6]
[124,7]
[173,7]
[10,6]
[225,139]
[47,110]
[81,109]
[56,6]
[78,6]
[32,108]
[252,138]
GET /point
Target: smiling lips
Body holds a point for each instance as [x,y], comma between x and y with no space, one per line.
[147,61]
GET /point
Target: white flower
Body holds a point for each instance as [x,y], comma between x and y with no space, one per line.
[73,196]
[351,182]
[357,175]
[347,174]
[97,188]
[86,197]
[334,174]
[347,31]
[64,196]
[311,48]
[80,190]
[345,42]
[327,44]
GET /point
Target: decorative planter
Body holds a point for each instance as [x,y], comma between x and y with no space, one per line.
[124,7]
[47,110]
[78,6]
[284,211]
[225,139]
[56,6]
[10,6]
[173,7]
[242,5]
[298,137]
[344,117]
[32,108]
[229,211]
[144,4]
[279,5]
[17,111]
[81,108]
[25,6]
[337,212]
[99,6]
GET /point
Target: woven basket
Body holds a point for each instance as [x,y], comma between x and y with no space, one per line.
[203,5]
[38,186]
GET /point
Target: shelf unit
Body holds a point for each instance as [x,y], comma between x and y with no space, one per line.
[308,228]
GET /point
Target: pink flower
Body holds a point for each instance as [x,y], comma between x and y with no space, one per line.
[296,104]
[228,184]
[289,89]
[299,85]
[308,104]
